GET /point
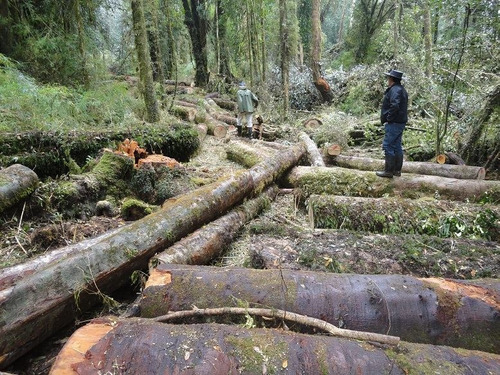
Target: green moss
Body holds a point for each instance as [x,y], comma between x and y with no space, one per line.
[134,209]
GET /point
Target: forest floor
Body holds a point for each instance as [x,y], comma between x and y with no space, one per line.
[281,237]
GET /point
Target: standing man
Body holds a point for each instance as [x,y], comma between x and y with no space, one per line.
[394,116]
[247,101]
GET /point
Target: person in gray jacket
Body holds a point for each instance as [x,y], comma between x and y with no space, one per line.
[394,116]
[247,102]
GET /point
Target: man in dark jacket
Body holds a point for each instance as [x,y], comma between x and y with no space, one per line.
[394,116]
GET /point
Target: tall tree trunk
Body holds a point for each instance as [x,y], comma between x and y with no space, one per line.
[285,57]
[170,57]
[395,41]
[262,41]
[316,40]
[156,50]
[145,71]
[427,39]
[195,19]
[5,28]
[81,42]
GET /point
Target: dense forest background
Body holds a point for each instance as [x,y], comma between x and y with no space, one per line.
[65,65]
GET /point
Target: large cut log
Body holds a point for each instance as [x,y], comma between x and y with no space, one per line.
[206,243]
[216,128]
[229,105]
[344,181]
[313,154]
[46,295]
[434,169]
[246,155]
[140,346]
[438,311]
[16,183]
[395,215]
[185,113]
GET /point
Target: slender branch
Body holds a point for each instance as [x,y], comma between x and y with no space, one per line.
[285,315]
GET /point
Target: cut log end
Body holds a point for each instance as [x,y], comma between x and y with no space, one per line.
[334,150]
[441,159]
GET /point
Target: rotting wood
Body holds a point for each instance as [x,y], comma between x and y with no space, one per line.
[425,168]
[283,315]
[44,298]
[206,243]
[313,154]
[394,215]
[344,181]
[417,310]
[16,183]
[140,346]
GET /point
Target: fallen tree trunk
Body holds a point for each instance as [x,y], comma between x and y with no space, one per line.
[47,296]
[313,154]
[185,113]
[246,155]
[206,243]
[434,169]
[392,215]
[344,181]
[139,346]
[16,183]
[216,128]
[226,104]
[438,311]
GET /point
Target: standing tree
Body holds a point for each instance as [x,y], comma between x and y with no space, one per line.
[145,71]
[427,39]
[285,56]
[195,18]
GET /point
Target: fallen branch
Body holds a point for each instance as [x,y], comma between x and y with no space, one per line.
[284,315]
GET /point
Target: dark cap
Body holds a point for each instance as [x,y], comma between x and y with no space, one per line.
[395,74]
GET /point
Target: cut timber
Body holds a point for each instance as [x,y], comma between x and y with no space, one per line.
[185,113]
[141,346]
[228,119]
[432,169]
[438,311]
[441,159]
[206,243]
[393,215]
[216,128]
[156,160]
[313,153]
[16,183]
[42,297]
[312,123]
[454,158]
[202,130]
[170,89]
[246,155]
[343,181]
[333,150]
[225,104]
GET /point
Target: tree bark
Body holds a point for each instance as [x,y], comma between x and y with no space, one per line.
[246,155]
[16,183]
[343,181]
[45,297]
[390,215]
[230,105]
[434,169]
[206,243]
[438,311]
[145,71]
[96,347]
[313,154]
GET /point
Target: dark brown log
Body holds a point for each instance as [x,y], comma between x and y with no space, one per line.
[438,311]
[206,243]
[172,82]
[395,215]
[343,181]
[170,89]
[228,119]
[455,159]
[42,297]
[225,104]
[433,169]
[16,183]
[313,154]
[140,346]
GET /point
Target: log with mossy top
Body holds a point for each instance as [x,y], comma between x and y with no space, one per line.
[142,346]
[247,154]
[425,310]
[16,183]
[435,169]
[353,182]
[397,216]
[47,294]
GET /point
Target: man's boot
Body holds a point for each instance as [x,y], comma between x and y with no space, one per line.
[239,128]
[249,132]
[398,165]
[389,167]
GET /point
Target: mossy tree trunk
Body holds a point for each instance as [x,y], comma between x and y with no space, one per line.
[143,57]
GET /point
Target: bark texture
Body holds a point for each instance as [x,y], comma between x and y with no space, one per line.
[343,181]
[313,153]
[45,298]
[139,346]
[438,311]
[434,169]
[16,183]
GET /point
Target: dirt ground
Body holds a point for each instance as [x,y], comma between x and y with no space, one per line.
[279,238]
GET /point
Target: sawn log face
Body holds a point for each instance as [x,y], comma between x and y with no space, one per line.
[415,309]
[139,346]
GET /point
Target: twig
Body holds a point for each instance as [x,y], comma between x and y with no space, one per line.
[286,315]
[19,229]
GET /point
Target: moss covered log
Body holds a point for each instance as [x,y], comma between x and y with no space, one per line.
[245,154]
[438,311]
[16,183]
[352,182]
[49,153]
[396,216]
[140,346]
